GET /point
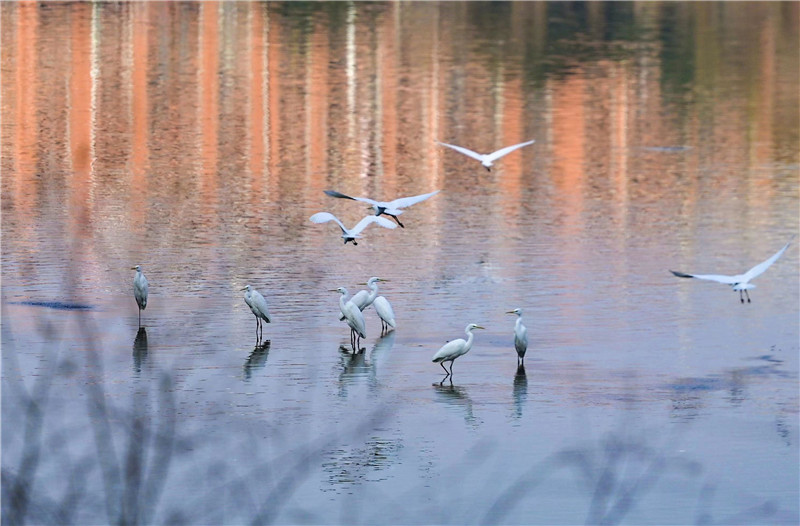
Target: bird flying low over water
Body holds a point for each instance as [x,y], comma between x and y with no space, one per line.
[740,282]
[489,158]
[390,208]
[353,233]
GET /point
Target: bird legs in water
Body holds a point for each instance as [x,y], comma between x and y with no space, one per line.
[259,325]
[355,341]
[746,293]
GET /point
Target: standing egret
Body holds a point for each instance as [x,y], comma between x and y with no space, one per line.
[353,233]
[364,299]
[520,337]
[489,158]
[390,208]
[740,282]
[258,306]
[452,350]
[140,289]
[354,318]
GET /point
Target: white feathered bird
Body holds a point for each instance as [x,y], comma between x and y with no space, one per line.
[353,233]
[258,306]
[452,350]
[140,290]
[739,282]
[487,159]
[520,336]
[390,208]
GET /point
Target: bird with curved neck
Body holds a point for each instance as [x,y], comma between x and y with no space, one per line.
[520,337]
[140,290]
[452,350]
[258,306]
[383,308]
[352,314]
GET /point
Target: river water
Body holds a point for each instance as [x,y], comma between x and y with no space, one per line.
[196,140]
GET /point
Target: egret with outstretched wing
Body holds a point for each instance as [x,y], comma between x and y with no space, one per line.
[390,208]
[353,233]
[740,282]
[489,158]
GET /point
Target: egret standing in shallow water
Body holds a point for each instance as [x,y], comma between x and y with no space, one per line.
[486,159]
[740,282]
[258,306]
[390,208]
[352,314]
[352,234]
[140,288]
[520,337]
[452,350]
[383,308]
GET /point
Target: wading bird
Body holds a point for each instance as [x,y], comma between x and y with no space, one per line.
[489,158]
[383,308]
[140,288]
[520,337]
[740,282]
[390,208]
[352,314]
[452,350]
[258,306]
[353,233]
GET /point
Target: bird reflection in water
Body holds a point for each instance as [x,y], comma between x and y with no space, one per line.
[356,366]
[257,358]
[456,396]
[520,390]
[140,349]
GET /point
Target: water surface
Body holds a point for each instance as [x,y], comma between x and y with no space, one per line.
[196,140]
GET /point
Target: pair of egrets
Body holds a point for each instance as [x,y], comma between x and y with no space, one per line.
[456,348]
[352,310]
[395,208]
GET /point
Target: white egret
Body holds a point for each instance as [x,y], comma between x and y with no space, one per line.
[452,350]
[353,233]
[385,313]
[140,289]
[520,337]
[390,208]
[740,282]
[489,158]
[352,314]
[258,306]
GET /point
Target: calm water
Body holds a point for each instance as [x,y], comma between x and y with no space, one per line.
[197,139]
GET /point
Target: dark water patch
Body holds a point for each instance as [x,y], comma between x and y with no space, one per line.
[57,305]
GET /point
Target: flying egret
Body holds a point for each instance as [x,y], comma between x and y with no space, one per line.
[390,208]
[353,233]
[258,306]
[520,337]
[140,289]
[489,158]
[740,282]
[354,318]
[452,350]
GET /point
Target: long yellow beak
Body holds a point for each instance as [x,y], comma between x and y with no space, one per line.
[479,327]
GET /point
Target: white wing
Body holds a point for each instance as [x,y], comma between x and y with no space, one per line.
[342,196]
[761,267]
[505,151]
[324,217]
[360,299]
[408,201]
[449,350]
[260,305]
[463,150]
[521,339]
[719,278]
[368,220]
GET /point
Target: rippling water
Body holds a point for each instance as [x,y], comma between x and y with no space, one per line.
[196,140]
